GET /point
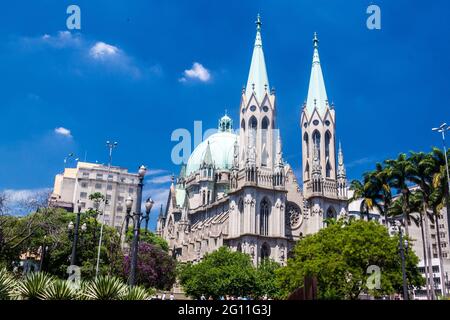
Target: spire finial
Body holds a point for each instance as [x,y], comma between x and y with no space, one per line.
[315,41]
[258,23]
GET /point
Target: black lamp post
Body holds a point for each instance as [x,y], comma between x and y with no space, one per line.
[75,237]
[137,218]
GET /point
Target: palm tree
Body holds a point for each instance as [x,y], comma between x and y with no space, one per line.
[400,170]
[379,184]
[439,199]
[363,191]
[423,166]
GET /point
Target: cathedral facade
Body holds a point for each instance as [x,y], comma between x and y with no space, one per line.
[236,190]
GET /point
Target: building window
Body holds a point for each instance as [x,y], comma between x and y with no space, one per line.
[98,186]
[110,177]
[83,204]
[327,144]
[264,218]
[83,195]
[99,176]
[120,198]
[316,140]
[130,190]
[241,214]
[85,174]
[84,185]
[109,187]
[306,140]
[119,209]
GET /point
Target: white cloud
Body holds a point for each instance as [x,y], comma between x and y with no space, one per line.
[154,172]
[63,132]
[62,39]
[161,179]
[101,50]
[197,72]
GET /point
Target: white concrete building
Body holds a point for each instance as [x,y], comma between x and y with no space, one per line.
[75,185]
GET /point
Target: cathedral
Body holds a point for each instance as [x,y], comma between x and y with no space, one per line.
[236,189]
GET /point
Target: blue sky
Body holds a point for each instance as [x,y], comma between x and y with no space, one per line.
[118,78]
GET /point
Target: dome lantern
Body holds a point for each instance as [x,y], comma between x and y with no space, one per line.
[225,123]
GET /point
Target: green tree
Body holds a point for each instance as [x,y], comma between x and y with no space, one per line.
[148,237]
[363,191]
[266,281]
[220,273]
[339,256]
[400,172]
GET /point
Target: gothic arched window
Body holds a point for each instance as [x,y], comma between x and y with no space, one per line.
[265,251]
[307,171]
[264,135]
[241,215]
[264,217]
[306,140]
[316,140]
[328,169]
[253,125]
[327,144]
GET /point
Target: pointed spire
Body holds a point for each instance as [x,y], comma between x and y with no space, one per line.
[182,171]
[207,158]
[257,78]
[341,168]
[161,212]
[317,95]
[236,154]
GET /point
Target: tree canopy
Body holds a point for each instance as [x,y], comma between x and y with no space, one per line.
[226,272]
[339,257]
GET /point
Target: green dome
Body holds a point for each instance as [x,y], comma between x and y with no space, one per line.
[221,145]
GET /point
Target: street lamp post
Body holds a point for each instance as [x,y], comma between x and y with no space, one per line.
[75,237]
[137,218]
[110,145]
